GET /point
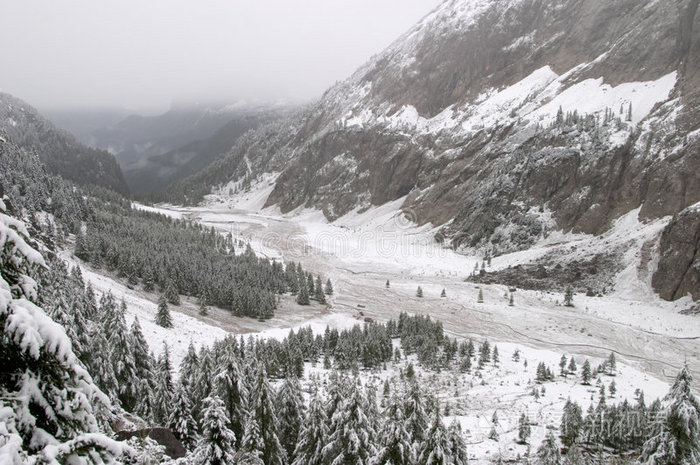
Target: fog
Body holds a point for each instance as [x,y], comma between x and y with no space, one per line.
[145,55]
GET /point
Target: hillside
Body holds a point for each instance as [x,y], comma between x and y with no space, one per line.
[500,121]
[139,137]
[152,174]
[59,151]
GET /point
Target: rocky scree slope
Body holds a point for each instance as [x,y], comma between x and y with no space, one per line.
[499,121]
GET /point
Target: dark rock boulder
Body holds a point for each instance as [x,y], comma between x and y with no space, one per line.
[163,436]
[678,273]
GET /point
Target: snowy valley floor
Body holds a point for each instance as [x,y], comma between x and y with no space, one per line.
[360,252]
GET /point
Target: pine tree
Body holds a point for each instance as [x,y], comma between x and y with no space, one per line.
[387,285]
[443,293]
[677,441]
[50,406]
[203,308]
[318,291]
[524,429]
[569,297]
[202,384]
[122,357]
[586,373]
[572,366]
[458,448]
[290,404]
[252,445]
[310,287]
[416,418]
[562,366]
[188,366]
[419,292]
[574,456]
[395,442]
[303,296]
[100,367]
[435,450]
[510,300]
[494,355]
[232,391]
[611,364]
[313,436]
[480,298]
[171,294]
[329,287]
[350,434]
[163,314]
[484,354]
[180,420]
[144,370]
[217,443]
[262,410]
[571,423]
[162,394]
[548,453]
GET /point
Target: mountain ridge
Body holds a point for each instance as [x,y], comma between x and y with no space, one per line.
[487,114]
[59,150]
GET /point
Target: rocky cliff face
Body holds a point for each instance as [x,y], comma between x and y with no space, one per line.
[499,120]
[678,273]
[59,151]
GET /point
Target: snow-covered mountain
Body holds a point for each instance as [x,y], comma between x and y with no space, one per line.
[501,120]
[60,151]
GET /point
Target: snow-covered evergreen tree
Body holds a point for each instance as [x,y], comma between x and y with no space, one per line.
[163,392]
[99,364]
[395,446]
[586,373]
[163,313]
[216,447]
[171,294]
[313,436]
[303,295]
[122,357]
[569,297]
[188,365]
[677,441]
[232,390]
[144,369]
[548,453]
[329,287]
[48,401]
[290,412]
[351,437]
[571,423]
[262,410]
[458,448]
[252,444]
[435,449]
[180,420]
[319,295]
[416,417]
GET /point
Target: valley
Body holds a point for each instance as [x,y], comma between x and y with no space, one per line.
[360,254]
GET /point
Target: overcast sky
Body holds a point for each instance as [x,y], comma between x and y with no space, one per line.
[145,54]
